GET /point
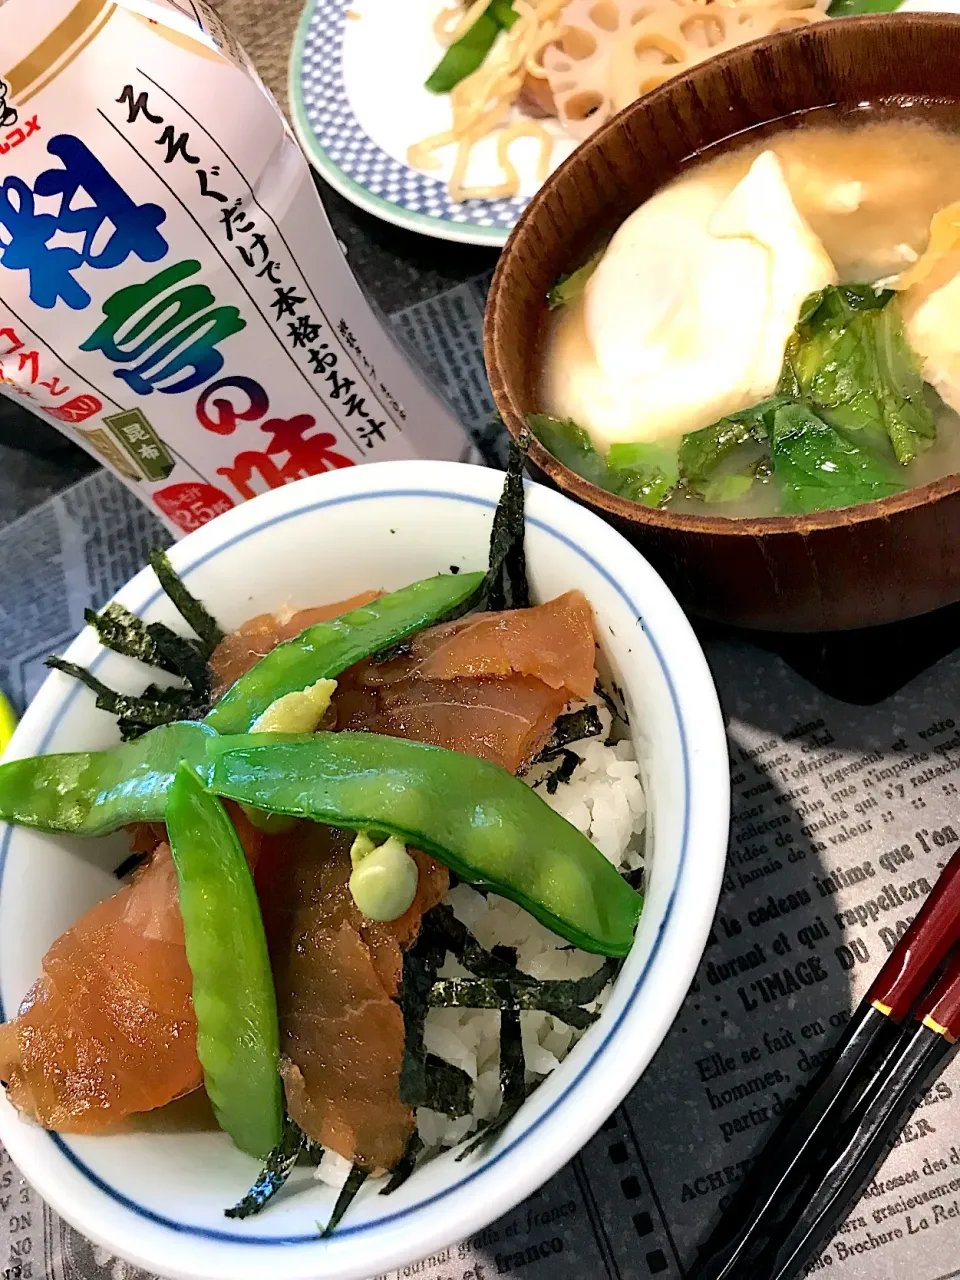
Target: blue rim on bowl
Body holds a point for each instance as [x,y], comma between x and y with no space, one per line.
[697,761]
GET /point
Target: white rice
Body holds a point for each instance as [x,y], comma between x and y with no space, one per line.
[605,800]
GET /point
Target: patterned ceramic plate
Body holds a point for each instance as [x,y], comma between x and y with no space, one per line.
[358,101]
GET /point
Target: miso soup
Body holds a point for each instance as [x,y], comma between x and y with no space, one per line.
[776,331]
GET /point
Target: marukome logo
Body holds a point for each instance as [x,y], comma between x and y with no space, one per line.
[8,113]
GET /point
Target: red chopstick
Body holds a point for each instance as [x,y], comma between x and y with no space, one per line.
[866,1138]
[764,1203]
[934,932]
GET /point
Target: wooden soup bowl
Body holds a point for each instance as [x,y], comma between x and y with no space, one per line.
[856,567]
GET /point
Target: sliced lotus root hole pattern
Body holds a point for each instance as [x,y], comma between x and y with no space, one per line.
[611,51]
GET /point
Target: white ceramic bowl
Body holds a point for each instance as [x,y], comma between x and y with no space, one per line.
[157,1197]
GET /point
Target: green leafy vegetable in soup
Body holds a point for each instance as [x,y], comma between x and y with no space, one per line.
[727,451]
[850,8]
[818,466]
[644,472]
[848,359]
[850,405]
[568,288]
[570,445]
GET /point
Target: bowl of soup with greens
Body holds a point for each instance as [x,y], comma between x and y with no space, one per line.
[731,323]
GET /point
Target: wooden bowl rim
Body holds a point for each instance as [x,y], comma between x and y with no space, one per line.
[494,324]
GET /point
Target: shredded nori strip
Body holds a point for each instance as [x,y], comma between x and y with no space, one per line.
[622,711]
[563,772]
[634,878]
[176,695]
[440,932]
[402,1170]
[187,605]
[153,643]
[444,932]
[185,657]
[512,1063]
[130,863]
[123,632]
[607,701]
[135,714]
[562,998]
[572,727]
[512,1082]
[311,1150]
[420,965]
[449,1090]
[355,1180]
[505,585]
[494,993]
[276,1170]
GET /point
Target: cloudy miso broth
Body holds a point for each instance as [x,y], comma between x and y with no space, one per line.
[697,296]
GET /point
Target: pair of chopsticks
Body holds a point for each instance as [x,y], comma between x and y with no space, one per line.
[831,1143]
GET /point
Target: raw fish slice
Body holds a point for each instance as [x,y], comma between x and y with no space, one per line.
[506,721]
[491,686]
[237,652]
[109,1029]
[347,1035]
[336,973]
[553,642]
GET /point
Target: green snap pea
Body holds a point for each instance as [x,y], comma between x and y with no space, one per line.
[849,8]
[327,649]
[88,793]
[466,54]
[233,995]
[482,822]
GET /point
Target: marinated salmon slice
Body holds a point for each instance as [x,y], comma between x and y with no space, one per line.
[491,686]
[241,649]
[552,642]
[109,1029]
[505,721]
[336,976]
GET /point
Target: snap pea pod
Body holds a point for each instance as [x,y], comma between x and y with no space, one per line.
[478,819]
[88,793]
[848,8]
[466,54]
[327,649]
[233,997]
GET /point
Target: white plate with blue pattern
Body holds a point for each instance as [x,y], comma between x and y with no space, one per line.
[358,101]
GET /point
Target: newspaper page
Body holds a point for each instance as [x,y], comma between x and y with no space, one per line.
[842,819]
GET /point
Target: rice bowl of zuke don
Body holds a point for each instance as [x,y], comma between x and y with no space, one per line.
[356,859]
